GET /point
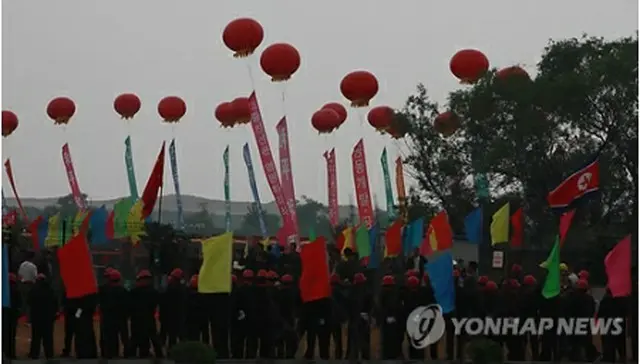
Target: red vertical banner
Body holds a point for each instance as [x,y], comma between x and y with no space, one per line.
[268,165]
[361,181]
[402,192]
[286,177]
[12,182]
[71,176]
[332,187]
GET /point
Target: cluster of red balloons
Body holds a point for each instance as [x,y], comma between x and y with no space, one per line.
[236,112]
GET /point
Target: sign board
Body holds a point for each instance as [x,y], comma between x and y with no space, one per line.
[498,259]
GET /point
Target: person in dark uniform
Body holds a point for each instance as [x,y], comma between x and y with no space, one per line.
[529,310]
[144,302]
[69,309]
[510,311]
[44,307]
[391,320]
[10,317]
[489,305]
[240,307]
[339,315]
[197,327]
[359,315]
[263,319]
[172,308]
[584,306]
[613,343]
[113,318]
[287,303]
[415,297]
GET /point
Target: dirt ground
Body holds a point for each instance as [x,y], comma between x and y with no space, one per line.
[24,333]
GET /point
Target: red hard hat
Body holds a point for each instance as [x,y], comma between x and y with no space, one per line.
[194,281]
[516,268]
[513,283]
[529,280]
[482,280]
[234,279]
[143,274]
[413,281]
[411,273]
[388,280]
[262,274]
[491,286]
[107,272]
[286,278]
[582,284]
[335,278]
[584,275]
[115,276]
[273,275]
[359,278]
[12,277]
[247,274]
[177,273]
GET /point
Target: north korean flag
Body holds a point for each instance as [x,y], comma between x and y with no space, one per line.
[576,186]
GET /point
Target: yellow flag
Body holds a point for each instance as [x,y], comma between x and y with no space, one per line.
[215,272]
[265,243]
[500,226]
[78,220]
[53,233]
[135,223]
[433,240]
[348,239]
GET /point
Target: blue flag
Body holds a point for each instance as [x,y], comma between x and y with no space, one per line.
[417,233]
[43,231]
[473,226]
[440,272]
[246,154]
[6,299]
[98,225]
[374,257]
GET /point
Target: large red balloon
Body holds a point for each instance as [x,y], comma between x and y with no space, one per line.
[511,73]
[339,109]
[9,122]
[225,114]
[61,109]
[446,123]
[243,36]
[380,117]
[127,105]
[172,109]
[359,87]
[469,65]
[241,110]
[280,61]
[325,120]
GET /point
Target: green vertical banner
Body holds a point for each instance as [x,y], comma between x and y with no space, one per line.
[131,174]
[388,191]
[227,194]
[481,185]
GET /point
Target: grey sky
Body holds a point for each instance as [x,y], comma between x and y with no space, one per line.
[93,50]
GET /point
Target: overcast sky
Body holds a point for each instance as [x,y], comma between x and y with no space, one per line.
[94,50]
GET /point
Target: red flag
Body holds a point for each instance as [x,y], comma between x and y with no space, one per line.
[393,239]
[517,227]
[76,268]
[577,185]
[439,234]
[33,230]
[154,183]
[565,224]
[361,182]
[314,281]
[108,229]
[340,240]
[618,266]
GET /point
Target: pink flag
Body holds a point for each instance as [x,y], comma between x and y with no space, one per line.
[268,165]
[618,266]
[361,181]
[286,177]
[565,224]
[71,176]
[332,187]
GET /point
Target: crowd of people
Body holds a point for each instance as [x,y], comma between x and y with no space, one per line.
[263,316]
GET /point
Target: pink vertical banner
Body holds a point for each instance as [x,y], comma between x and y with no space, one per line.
[361,181]
[286,177]
[268,165]
[332,187]
[71,176]
[12,182]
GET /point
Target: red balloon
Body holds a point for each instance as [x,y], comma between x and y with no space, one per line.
[172,109]
[512,72]
[225,114]
[380,117]
[280,61]
[325,120]
[9,122]
[339,109]
[241,110]
[446,123]
[127,105]
[61,109]
[243,36]
[359,87]
[469,65]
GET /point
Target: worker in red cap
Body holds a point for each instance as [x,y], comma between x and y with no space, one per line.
[172,308]
[582,305]
[10,317]
[360,309]
[615,341]
[243,311]
[390,319]
[529,309]
[414,297]
[144,303]
[286,299]
[339,316]
[114,326]
[44,308]
[196,322]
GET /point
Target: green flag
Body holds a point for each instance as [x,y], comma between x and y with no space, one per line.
[131,174]
[227,193]
[551,286]
[121,217]
[362,242]
[388,191]
[312,234]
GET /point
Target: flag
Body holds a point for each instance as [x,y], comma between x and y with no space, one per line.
[314,280]
[374,254]
[500,226]
[121,217]
[78,221]
[215,272]
[473,226]
[439,235]
[76,268]
[565,224]
[246,154]
[98,225]
[416,233]
[54,231]
[618,267]
[388,191]
[6,292]
[362,242]
[131,174]
[227,193]
[154,183]
[34,230]
[108,227]
[173,160]
[518,228]
[576,186]
[551,286]
[135,223]
[348,239]
[312,234]
[440,272]
[393,239]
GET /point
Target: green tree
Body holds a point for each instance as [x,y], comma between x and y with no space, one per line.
[313,215]
[251,222]
[200,223]
[65,205]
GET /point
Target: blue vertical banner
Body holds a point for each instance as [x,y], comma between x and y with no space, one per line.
[246,154]
[176,182]
[131,173]
[227,192]
[6,299]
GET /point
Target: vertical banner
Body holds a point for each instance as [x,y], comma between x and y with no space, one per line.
[246,154]
[332,187]
[391,210]
[361,181]
[286,176]
[131,174]
[12,182]
[5,207]
[402,194]
[71,176]
[176,182]
[268,165]
[227,193]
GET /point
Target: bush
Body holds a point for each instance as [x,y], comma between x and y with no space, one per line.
[484,351]
[192,352]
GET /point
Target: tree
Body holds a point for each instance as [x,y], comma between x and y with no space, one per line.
[251,222]
[65,205]
[313,215]
[200,223]
[526,135]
